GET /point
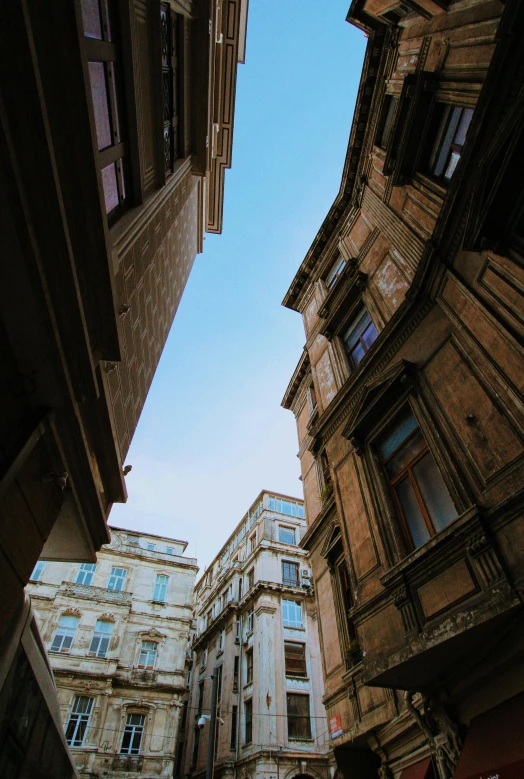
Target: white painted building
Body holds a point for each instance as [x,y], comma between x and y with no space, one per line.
[116,633]
[256,625]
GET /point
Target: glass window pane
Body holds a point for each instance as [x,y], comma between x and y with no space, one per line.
[453,162]
[110,187]
[462,129]
[68,621]
[447,141]
[359,324]
[406,454]
[91,19]
[412,513]
[404,424]
[434,492]
[358,353]
[97,77]
[369,335]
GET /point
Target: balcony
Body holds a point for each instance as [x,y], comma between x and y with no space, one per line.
[127,763]
[91,593]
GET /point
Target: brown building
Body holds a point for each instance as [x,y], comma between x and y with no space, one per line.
[116,123]
[408,400]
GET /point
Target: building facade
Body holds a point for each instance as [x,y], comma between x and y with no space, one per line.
[256,628]
[116,634]
[408,400]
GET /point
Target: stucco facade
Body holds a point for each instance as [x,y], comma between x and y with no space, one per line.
[408,398]
[116,634]
[256,626]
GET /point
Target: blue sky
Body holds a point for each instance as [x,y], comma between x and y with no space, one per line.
[212,434]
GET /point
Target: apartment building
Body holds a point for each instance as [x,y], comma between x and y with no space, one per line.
[116,633]
[408,400]
[256,629]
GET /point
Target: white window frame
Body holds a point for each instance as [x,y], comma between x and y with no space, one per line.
[116,580]
[203,660]
[170,550]
[37,571]
[288,619]
[250,621]
[63,633]
[335,271]
[101,638]
[79,720]
[85,573]
[133,729]
[150,546]
[148,653]
[286,529]
[161,585]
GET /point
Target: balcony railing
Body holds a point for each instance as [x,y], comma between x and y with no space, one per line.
[127,763]
[96,593]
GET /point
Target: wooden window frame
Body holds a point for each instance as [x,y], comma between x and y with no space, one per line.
[289,580]
[300,674]
[249,665]
[248,723]
[291,717]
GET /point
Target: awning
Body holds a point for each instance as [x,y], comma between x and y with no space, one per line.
[419,770]
[494,746]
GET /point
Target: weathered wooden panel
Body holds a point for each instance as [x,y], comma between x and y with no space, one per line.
[447,588]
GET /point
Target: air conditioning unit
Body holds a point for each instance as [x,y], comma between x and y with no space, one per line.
[305,573]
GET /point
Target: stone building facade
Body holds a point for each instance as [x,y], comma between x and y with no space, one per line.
[408,400]
[116,634]
[256,627]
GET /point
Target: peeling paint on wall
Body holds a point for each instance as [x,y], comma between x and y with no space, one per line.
[326,379]
[391,283]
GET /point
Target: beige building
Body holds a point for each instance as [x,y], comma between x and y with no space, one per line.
[256,626]
[116,634]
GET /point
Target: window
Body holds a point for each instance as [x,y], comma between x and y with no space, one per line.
[196,744]
[85,573]
[387,120]
[359,337]
[286,535]
[251,578]
[65,633]
[133,732]
[248,710]
[117,579]
[298,722]
[37,571]
[172,36]
[218,672]
[286,506]
[250,621]
[421,496]
[105,77]
[234,725]
[295,659]
[252,541]
[235,673]
[170,550]
[249,666]
[200,702]
[240,589]
[238,629]
[150,547]
[203,660]
[335,272]
[292,613]
[324,475]
[452,124]
[101,637]
[312,400]
[147,657]
[160,591]
[183,718]
[221,641]
[290,573]
[78,720]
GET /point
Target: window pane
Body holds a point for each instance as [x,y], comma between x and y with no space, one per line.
[359,324]
[97,77]
[85,573]
[286,535]
[404,424]
[406,454]
[453,162]
[369,335]
[110,187]
[462,129]
[412,513]
[357,354]
[434,492]
[449,135]
[295,659]
[68,621]
[91,19]
[298,716]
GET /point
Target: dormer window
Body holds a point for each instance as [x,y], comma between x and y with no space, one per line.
[335,272]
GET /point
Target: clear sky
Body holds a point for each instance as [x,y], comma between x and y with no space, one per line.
[213,434]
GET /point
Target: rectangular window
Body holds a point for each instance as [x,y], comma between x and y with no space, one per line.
[171,39]
[200,701]
[298,721]
[387,120]
[150,547]
[249,666]
[65,633]
[37,571]
[117,579]
[235,674]
[221,641]
[422,498]
[251,578]
[160,590]
[335,272]
[101,638]
[295,659]
[359,337]
[252,542]
[133,732]
[250,621]
[170,550]
[85,573]
[286,535]
[105,78]
[292,614]
[248,710]
[290,573]
[234,725]
[312,399]
[451,124]
[203,660]
[78,720]
[147,657]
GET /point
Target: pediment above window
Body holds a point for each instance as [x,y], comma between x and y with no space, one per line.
[333,539]
[151,633]
[378,397]
[339,304]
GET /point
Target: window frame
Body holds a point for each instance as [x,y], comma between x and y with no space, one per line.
[160,588]
[292,623]
[290,581]
[85,571]
[147,651]
[132,729]
[336,269]
[249,665]
[102,636]
[36,574]
[248,722]
[67,632]
[292,717]
[361,312]
[290,531]
[117,578]
[437,139]
[288,672]
[78,719]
